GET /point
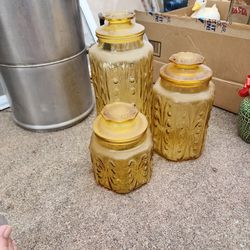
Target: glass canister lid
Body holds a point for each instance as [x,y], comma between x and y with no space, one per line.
[120,28]
[186,69]
[120,123]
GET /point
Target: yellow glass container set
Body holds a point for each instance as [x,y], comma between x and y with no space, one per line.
[176,109]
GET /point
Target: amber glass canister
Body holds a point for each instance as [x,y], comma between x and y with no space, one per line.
[182,101]
[121,63]
[121,148]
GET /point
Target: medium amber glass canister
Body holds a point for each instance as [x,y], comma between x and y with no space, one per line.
[121,148]
[121,63]
[182,101]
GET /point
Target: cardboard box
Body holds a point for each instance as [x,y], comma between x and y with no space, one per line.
[225,46]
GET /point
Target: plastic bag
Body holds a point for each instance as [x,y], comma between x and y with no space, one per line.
[239,11]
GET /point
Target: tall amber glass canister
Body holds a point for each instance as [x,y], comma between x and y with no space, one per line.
[121,63]
[182,101]
[121,148]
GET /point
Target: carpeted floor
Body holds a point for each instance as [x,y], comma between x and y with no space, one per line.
[48,194]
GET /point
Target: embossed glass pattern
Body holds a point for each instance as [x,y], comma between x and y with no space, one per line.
[121,64]
[121,148]
[181,109]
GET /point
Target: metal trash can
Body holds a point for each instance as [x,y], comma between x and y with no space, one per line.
[43,63]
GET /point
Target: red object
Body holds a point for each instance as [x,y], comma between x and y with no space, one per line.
[245,90]
[239,10]
[248,81]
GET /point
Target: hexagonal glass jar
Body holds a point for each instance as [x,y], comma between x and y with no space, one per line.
[121,148]
[182,101]
[121,63]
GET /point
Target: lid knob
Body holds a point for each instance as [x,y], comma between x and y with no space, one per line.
[120,29]
[119,17]
[186,59]
[119,112]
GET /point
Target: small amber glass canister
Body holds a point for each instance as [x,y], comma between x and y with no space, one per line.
[121,63]
[182,101]
[121,148]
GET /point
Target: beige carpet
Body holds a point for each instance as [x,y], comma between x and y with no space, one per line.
[49,195]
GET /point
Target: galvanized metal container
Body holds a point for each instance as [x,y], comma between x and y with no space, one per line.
[39,31]
[43,63]
[50,96]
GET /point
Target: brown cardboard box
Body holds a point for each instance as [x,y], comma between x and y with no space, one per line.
[225,46]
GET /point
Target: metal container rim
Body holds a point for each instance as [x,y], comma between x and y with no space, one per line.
[43,64]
